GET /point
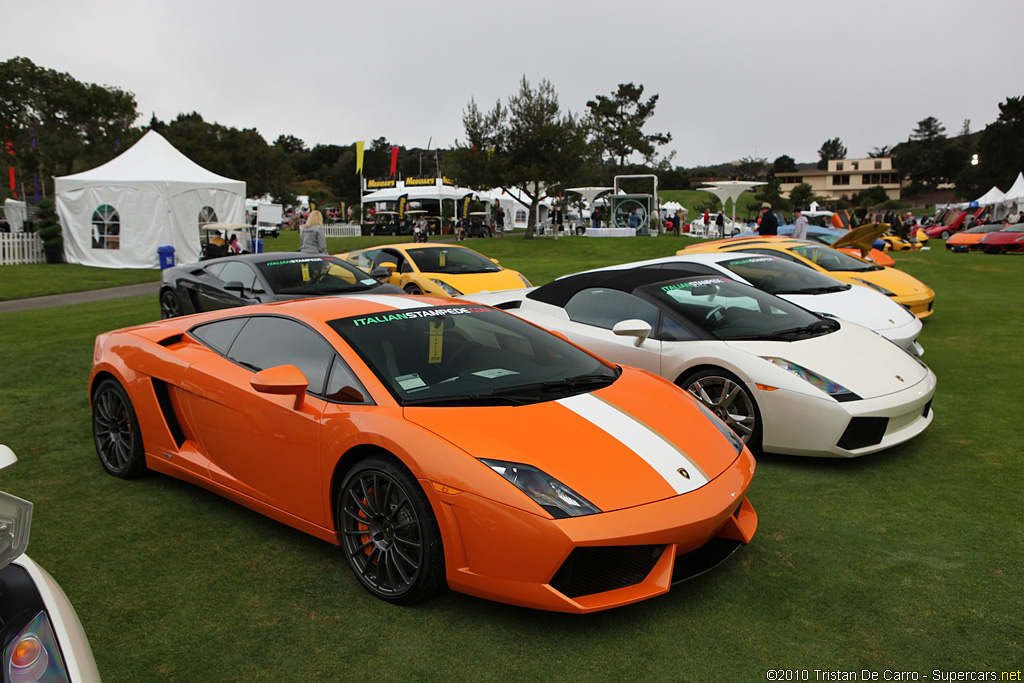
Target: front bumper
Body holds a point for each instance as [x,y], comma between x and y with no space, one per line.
[918,304]
[798,424]
[596,562]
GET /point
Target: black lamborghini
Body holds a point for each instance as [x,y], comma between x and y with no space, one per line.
[260,278]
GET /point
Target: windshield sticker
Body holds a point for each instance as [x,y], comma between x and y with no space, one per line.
[424,313]
[760,259]
[410,382]
[305,272]
[695,283]
[286,262]
[367,281]
[495,373]
[436,341]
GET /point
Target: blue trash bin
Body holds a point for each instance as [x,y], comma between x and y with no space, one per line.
[257,246]
[166,255]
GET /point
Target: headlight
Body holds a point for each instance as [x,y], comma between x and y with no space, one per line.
[732,437]
[449,290]
[558,499]
[836,391]
[33,656]
[877,288]
[526,283]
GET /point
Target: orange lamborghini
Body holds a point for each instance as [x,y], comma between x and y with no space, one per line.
[439,443]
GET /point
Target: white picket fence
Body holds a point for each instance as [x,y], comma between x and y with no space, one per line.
[18,248]
[342,230]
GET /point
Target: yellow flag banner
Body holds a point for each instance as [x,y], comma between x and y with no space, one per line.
[359,156]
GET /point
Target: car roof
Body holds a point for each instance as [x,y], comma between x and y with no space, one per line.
[560,291]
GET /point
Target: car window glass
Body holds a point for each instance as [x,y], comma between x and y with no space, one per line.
[604,307]
[671,329]
[215,269]
[777,254]
[266,342]
[218,335]
[386,257]
[241,272]
[364,259]
[342,377]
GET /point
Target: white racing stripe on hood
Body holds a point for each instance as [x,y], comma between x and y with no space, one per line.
[396,301]
[658,452]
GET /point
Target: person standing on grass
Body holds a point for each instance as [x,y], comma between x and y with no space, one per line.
[769,225]
[799,224]
[595,218]
[311,237]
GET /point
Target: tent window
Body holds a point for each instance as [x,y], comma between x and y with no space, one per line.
[106,228]
[207,215]
[520,216]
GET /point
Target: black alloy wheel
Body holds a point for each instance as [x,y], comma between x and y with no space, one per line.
[116,433]
[170,307]
[388,532]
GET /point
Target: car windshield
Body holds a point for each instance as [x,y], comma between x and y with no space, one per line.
[451,260]
[733,311]
[313,275]
[988,227]
[775,276]
[1016,227]
[470,355]
[832,259]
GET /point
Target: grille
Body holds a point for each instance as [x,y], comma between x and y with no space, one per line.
[927,408]
[598,569]
[863,432]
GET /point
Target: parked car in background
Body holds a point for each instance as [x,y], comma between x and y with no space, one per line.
[805,287]
[438,269]
[904,289]
[970,239]
[786,380]
[41,635]
[248,279]
[1008,240]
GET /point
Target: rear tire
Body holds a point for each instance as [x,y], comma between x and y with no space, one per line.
[170,306]
[724,394]
[945,234]
[116,433]
[389,533]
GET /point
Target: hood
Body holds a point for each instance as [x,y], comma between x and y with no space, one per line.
[857,358]
[470,283]
[860,305]
[610,446]
[895,281]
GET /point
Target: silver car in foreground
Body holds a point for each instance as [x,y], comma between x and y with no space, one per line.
[41,636]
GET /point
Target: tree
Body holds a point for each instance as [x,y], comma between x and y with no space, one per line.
[616,123]
[801,195]
[784,164]
[831,149]
[750,167]
[48,228]
[530,145]
[872,196]
[929,130]
[290,144]
[880,152]
[1001,146]
[57,125]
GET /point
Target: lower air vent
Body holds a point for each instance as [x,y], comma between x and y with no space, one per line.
[863,432]
[598,569]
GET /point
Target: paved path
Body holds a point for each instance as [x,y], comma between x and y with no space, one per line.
[79,297]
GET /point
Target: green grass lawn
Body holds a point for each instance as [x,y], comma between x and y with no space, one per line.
[906,560]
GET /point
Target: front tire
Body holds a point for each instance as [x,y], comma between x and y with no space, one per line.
[116,433]
[945,234]
[413,288]
[727,396]
[388,532]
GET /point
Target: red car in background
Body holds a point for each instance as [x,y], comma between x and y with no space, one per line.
[955,222]
[1009,239]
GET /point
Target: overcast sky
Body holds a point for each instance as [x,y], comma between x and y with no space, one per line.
[735,78]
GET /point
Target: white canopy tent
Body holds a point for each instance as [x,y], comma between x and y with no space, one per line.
[118,214]
[1016,193]
[15,214]
[993,196]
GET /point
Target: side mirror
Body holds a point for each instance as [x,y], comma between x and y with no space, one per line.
[495,261]
[633,328]
[388,265]
[15,517]
[234,286]
[285,380]
[380,274]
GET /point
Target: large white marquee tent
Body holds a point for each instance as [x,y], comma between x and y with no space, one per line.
[118,214]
